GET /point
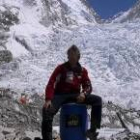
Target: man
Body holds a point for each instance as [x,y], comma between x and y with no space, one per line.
[70,82]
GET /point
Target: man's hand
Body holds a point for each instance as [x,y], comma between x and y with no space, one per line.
[47,104]
[81,97]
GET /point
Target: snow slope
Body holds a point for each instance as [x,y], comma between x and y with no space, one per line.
[52,12]
[127,16]
[110,52]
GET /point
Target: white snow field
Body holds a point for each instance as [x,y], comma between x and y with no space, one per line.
[110,52]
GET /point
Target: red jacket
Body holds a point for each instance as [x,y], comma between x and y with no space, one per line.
[65,80]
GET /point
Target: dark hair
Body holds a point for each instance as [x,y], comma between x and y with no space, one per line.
[74,48]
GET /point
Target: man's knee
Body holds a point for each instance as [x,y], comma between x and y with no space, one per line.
[94,99]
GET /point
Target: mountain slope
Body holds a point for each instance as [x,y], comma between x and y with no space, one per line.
[130,15]
[52,12]
[110,52]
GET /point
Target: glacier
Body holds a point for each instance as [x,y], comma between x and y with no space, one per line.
[110,51]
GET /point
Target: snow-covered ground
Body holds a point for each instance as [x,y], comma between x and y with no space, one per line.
[18,120]
[106,133]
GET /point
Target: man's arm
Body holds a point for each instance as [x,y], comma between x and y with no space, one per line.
[86,83]
[49,91]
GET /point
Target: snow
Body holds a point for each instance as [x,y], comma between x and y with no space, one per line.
[16,48]
[130,15]
[122,16]
[77,10]
[103,132]
[108,132]
[110,52]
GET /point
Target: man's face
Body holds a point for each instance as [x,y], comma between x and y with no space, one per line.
[73,57]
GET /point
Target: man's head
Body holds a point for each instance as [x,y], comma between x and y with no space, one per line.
[73,54]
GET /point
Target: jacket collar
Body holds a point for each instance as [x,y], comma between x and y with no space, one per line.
[76,69]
